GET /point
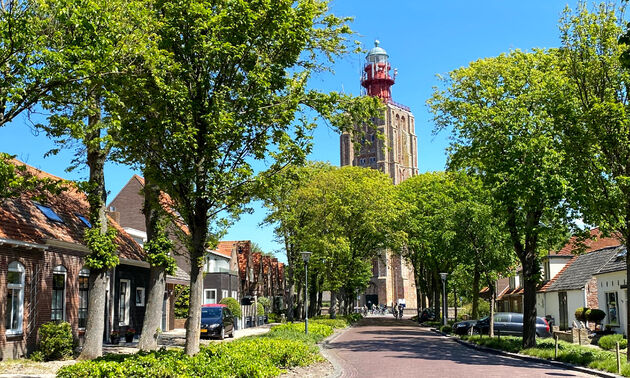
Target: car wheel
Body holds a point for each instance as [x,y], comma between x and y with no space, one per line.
[222,334]
[232,333]
[473,331]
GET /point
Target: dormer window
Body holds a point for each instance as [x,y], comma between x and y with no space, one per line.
[85,221]
[49,213]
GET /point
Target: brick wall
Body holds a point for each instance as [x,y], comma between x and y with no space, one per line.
[129,204]
[46,261]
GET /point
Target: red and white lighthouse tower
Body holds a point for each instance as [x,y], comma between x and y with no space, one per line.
[376,79]
[389,145]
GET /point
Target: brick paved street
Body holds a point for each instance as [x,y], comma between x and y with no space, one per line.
[386,347]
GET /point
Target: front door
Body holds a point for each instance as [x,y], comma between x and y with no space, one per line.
[564,311]
[164,306]
[371,300]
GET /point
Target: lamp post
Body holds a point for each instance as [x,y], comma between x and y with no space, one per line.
[306,256]
[444,315]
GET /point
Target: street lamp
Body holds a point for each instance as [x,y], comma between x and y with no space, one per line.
[443,277]
[306,256]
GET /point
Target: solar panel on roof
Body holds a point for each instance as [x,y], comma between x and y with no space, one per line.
[84,220]
[49,213]
[621,254]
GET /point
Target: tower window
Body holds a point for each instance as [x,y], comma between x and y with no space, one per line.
[49,213]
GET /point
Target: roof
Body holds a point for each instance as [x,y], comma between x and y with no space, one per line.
[225,247]
[595,242]
[581,269]
[616,263]
[21,219]
[376,50]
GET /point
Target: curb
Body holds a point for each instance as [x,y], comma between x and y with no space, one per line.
[566,365]
[326,351]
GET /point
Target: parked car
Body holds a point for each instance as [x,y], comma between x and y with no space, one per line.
[464,327]
[427,315]
[216,321]
[511,323]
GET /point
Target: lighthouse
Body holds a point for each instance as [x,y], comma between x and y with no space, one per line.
[396,154]
[376,78]
[389,145]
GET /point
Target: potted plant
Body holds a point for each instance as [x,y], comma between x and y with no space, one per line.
[114,337]
[130,334]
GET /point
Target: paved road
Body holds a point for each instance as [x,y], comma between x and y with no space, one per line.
[385,347]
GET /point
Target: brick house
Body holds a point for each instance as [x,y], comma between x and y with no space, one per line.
[42,277]
[259,275]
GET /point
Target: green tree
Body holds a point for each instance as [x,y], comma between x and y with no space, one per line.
[100,42]
[233,78]
[503,112]
[598,138]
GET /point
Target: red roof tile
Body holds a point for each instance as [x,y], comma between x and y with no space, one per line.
[595,242]
[21,220]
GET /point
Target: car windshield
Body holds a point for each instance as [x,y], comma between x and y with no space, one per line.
[211,312]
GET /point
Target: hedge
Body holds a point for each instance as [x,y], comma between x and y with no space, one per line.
[247,357]
[609,342]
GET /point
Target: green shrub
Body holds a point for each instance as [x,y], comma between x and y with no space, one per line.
[609,342]
[266,302]
[580,313]
[446,329]
[275,318]
[321,330]
[246,357]
[55,341]
[182,301]
[332,323]
[595,315]
[483,310]
[260,309]
[233,305]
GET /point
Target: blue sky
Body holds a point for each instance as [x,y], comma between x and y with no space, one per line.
[422,38]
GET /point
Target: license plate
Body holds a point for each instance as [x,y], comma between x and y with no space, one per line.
[204,330]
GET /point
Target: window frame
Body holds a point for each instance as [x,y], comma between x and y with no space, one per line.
[15,267]
[124,320]
[142,290]
[616,307]
[59,270]
[204,296]
[225,293]
[84,274]
[235,294]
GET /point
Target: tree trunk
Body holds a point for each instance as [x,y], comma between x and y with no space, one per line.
[97,198]
[455,300]
[436,297]
[157,274]
[529,306]
[475,294]
[492,296]
[290,279]
[199,235]
[333,303]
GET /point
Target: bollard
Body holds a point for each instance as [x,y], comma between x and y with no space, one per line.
[579,337]
[555,356]
[618,359]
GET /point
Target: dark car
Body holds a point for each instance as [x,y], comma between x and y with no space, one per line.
[464,327]
[427,315]
[511,323]
[216,321]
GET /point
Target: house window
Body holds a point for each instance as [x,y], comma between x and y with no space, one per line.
[140,296]
[58,307]
[210,296]
[14,309]
[547,271]
[224,294]
[234,294]
[611,308]
[84,276]
[123,303]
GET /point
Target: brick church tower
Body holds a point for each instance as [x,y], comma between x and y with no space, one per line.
[396,155]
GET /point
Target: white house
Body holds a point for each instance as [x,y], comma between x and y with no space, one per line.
[574,286]
[612,292]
